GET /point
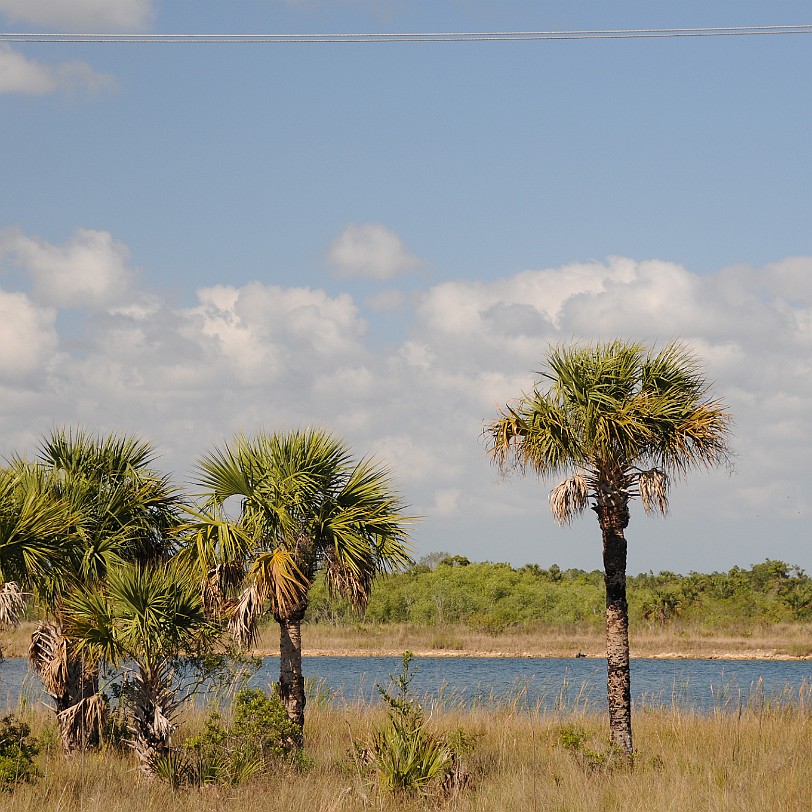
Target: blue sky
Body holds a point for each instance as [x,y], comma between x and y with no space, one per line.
[382,239]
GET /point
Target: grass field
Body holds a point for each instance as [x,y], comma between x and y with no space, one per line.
[760,759]
[780,640]
[748,642]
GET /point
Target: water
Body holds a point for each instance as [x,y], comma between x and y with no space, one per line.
[527,683]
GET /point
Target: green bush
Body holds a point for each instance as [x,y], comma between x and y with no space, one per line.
[403,755]
[259,735]
[17,751]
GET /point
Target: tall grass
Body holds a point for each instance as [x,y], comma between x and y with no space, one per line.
[755,758]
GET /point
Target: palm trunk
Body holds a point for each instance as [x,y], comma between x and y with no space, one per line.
[154,704]
[72,683]
[291,678]
[613,515]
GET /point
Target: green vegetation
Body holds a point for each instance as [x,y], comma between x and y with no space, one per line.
[306,507]
[492,597]
[258,739]
[404,756]
[17,751]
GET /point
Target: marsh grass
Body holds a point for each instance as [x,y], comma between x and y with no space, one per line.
[678,639]
[748,758]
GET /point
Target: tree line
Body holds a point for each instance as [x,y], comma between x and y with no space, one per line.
[495,597]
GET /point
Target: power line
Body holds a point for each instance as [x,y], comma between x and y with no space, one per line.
[471,36]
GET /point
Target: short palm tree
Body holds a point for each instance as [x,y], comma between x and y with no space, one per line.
[619,420]
[121,510]
[306,506]
[149,619]
[33,529]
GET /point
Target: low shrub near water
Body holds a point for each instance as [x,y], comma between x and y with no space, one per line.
[403,755]
[258,737]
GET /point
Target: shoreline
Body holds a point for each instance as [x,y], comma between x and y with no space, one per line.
[758,654]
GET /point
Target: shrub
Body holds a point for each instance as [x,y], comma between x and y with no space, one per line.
[404,755]
[260,734]
[17,751]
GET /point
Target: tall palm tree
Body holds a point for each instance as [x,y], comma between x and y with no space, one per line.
[306,506]
[122,510]
[619,420]
[151,618]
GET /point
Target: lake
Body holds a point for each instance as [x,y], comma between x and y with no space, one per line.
[528,683]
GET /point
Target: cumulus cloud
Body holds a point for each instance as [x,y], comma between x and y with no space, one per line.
[28,337]
[370,251]
[269,356]
[90,271]
[81,15]
[30,77]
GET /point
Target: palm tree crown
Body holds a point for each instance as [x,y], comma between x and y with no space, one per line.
[619,419]
[305,506]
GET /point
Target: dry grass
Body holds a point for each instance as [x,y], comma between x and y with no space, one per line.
[754,761]
[793,640]
[777,640]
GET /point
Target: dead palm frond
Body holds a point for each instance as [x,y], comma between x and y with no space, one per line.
[82,721]
[569,498]
[243,625]
[153,703]
[653,486]
[12,605]
[48,656]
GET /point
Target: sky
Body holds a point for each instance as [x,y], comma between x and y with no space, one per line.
[384,239]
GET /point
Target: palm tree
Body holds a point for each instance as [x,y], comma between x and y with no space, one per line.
[152,618]
[620,421]
[122,510]
[306,506]
[33,527]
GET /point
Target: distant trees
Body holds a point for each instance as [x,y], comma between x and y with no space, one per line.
[617,419]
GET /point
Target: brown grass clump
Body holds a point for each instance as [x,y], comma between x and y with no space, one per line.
[754,760]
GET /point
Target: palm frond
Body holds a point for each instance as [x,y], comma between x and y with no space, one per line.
[48,656]
[12,604]
[82,720]
[243,624]
[569,498]
[653,486]
[279,580]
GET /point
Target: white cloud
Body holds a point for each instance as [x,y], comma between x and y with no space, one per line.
[30,77]
[89,271]
[446,502]
[267,356]
[28,337]
[81,15]
[371,251]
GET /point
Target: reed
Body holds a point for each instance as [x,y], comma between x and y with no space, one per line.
[755,758]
